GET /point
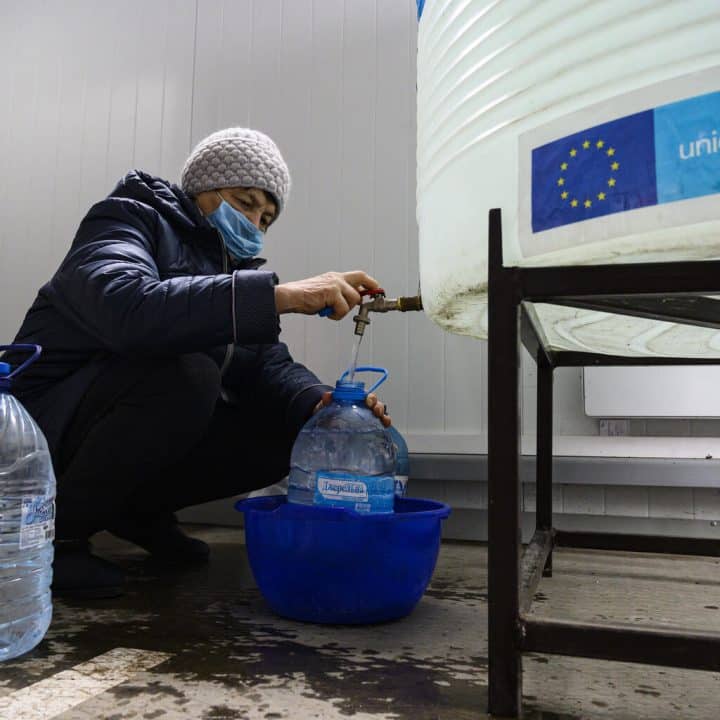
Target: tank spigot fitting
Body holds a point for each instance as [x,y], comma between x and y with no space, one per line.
[381,304]
[407,304]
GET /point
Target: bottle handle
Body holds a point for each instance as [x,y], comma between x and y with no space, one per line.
[34,349]
[369,368]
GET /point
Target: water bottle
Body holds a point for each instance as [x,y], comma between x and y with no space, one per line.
[343,457]
[402,464]
[27,520]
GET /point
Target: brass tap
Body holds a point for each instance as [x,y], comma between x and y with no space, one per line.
[381,304]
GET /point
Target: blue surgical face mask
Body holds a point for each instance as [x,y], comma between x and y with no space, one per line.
[242,239]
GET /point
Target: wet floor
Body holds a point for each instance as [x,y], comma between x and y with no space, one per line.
[201,644]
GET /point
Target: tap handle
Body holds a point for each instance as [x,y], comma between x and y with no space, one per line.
[327,311]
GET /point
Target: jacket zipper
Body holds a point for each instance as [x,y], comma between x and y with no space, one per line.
[229,349]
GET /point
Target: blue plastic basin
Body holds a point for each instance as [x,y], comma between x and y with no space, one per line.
[330,565]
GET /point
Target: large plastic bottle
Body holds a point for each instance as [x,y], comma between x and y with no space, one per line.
[594,126]
[27,521]
[343,457]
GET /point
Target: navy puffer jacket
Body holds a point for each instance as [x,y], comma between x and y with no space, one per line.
[148,277]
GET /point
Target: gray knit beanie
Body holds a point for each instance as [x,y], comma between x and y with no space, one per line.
[237,157]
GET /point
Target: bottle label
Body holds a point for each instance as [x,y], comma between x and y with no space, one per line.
[37,523]
[401,482]
[361,493]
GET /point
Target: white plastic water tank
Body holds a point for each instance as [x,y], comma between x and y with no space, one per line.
[594,125]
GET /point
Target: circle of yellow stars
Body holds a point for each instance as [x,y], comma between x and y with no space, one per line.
[614,166]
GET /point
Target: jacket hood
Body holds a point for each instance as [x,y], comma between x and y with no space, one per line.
[168,199]
[175,206]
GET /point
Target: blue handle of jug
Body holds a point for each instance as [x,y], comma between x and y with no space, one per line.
[34,349]
[369,368]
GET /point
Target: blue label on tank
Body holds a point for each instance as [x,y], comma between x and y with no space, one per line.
[361,493]
[658,156]
[687,148]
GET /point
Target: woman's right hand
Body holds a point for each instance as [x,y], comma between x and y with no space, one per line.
[338,290]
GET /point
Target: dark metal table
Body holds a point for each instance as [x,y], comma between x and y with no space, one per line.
[661,291]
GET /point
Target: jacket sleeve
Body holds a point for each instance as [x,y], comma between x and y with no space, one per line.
[286,387]
[109,285]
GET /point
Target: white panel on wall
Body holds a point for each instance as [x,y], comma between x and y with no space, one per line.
[394,235]
[569,418]
[24,244]
[177,93]
[321,229]
[465,400]
[356,162]
[150,57]
[211,70]
[121,75]
[664,392]
[289,250]
[111,87]
[93,89]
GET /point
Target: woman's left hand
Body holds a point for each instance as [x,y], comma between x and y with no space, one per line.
[371,401]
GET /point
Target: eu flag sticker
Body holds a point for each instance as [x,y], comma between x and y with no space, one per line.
[606,169]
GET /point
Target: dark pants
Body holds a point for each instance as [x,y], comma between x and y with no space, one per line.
[149,439]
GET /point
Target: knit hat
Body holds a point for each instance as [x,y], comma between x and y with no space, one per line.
[237,157]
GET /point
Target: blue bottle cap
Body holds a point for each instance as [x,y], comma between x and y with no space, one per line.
[349,391]
[5,369]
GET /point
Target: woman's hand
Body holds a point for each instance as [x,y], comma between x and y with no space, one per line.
[338,290]
[371,401]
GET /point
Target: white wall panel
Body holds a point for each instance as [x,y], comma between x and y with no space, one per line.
[288,249]
[177,92]
[706,502]
[322,229]
[18,115]
[93,112]
[150,58]
[664,502]
[629,501]
[110,87]
[583,500]
[464,399]
[93,89]
[121,69]
[393,198]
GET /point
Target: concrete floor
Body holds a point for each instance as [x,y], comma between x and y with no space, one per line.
[201,644]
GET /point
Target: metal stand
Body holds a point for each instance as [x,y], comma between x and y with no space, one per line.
[662,291]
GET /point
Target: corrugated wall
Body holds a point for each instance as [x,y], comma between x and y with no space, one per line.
[92,89]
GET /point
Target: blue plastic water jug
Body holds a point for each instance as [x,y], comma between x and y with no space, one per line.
[402,463]
[343,457]
[27,520]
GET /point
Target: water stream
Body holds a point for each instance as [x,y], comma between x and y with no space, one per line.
[354,357]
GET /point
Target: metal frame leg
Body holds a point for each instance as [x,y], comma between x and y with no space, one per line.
[511,585]
[544,453]
[505,661]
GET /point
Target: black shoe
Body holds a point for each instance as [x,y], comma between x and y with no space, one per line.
[162,537]
[77,573]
